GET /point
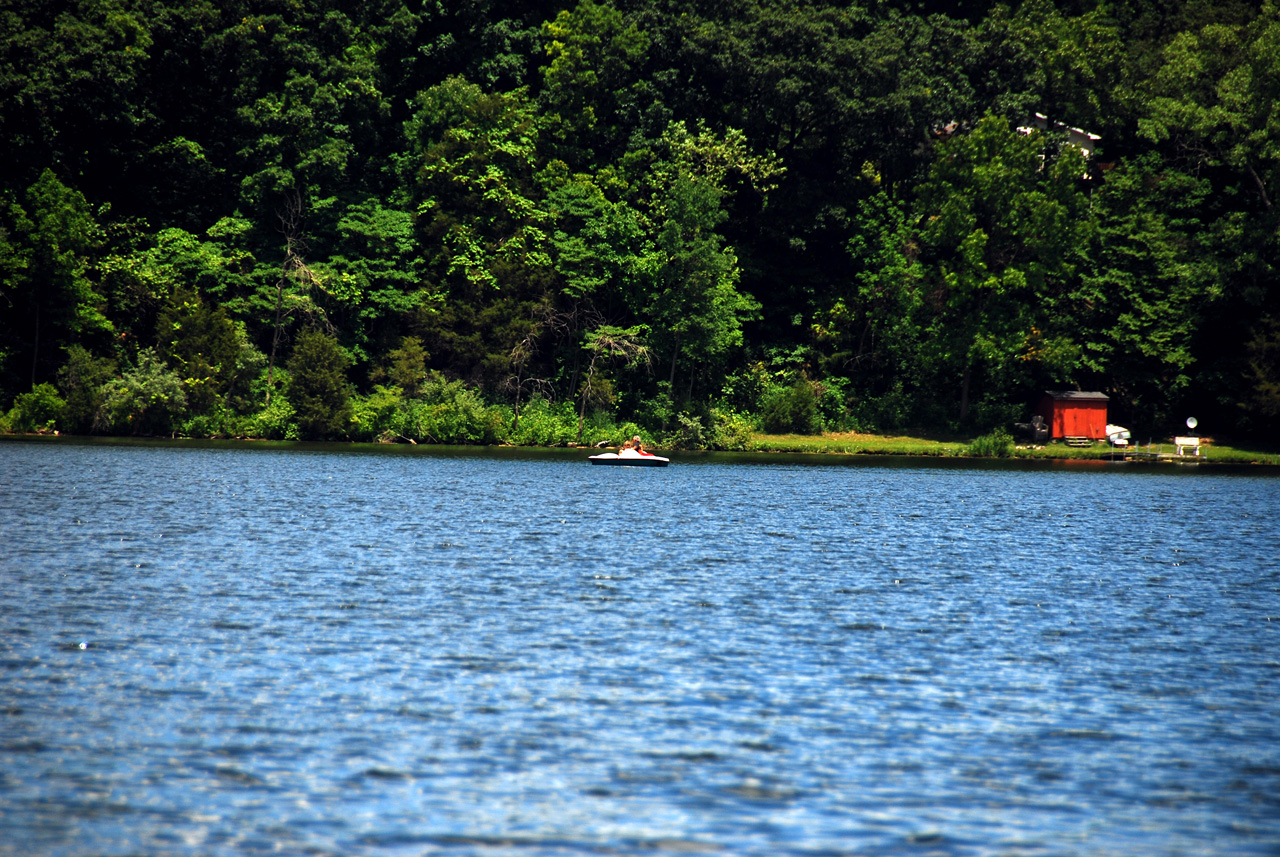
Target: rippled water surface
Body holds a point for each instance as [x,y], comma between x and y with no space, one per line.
[218,651]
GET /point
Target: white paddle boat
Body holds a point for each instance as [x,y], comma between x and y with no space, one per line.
[630,458]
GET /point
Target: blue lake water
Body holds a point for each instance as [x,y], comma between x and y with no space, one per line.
[214,650]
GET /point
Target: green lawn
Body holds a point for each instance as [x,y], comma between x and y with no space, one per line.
[855,443]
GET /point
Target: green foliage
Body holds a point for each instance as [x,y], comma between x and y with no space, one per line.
[406,367]
[791,409]
[875,329]
[596,240]
[1263,398]
[996,444]
[760,191]
[478,204]
[48,244]
[37,411]
[218,422]
[545,423]
[376,273]
[274,421]
[591,81]
[687,431]
[83,379]
[730,431]
[1214,96]
[450,412]
[202,345]
[1149,284]
[318,387]
[379,416]
[147,399]
[690,299]
[1000,230]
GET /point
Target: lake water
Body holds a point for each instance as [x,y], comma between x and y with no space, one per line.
[225,650]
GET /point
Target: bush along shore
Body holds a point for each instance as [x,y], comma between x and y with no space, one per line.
[438,411]
[522,222]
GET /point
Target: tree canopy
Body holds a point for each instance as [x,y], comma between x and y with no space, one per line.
[305,219]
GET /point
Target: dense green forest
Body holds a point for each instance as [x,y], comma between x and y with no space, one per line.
[489,220]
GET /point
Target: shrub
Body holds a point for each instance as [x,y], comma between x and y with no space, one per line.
[449,412]
[273,422]
[83,378]
[202,344]
[791,410]
[688,432]
[731,431]
[379,415]
[218,421]
[626,431]
[658,410]
[36,411]
[888,411]
[832,404]
[318,385]
[544,423]
[145,400]
[997,444]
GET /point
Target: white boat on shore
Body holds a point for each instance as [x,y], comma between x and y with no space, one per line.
[630,458]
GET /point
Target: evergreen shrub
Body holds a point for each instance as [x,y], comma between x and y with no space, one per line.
[791,410]
[318,386]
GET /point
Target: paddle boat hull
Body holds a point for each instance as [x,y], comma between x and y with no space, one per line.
[633,460]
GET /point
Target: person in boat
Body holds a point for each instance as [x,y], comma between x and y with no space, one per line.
[628,449]
[638,445]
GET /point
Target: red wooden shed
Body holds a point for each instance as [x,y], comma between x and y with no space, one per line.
[1070,413]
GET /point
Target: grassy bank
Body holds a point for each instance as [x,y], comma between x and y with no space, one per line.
[855,443]
[858,443]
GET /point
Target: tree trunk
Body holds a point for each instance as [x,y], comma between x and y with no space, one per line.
[586,391]
[1262,188]
[35,354]
[577,370]
[515,424]
[275,338]
[292,265]
[964,391]
[671,379]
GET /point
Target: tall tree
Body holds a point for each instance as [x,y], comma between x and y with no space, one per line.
[1216,97]
[318,387]
[593,95]
[481,221]
[50,292]
[1000,227]
[202,345]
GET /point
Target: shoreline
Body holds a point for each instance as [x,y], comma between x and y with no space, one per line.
[834,445]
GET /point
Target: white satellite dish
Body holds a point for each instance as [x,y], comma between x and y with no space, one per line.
[1192,422]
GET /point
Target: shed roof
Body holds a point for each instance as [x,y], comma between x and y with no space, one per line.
[1077,395]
